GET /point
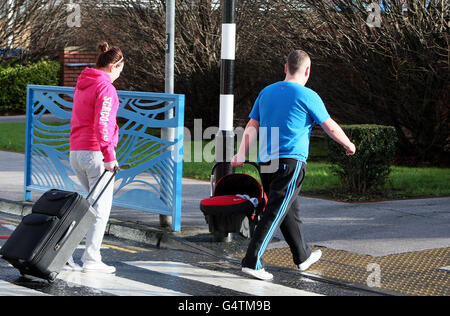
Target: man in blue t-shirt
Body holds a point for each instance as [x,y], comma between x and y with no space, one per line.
[284,114]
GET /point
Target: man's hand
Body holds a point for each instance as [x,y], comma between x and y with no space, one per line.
[237,161]
[249,137]
[336,133]
[112,165]
[350,149]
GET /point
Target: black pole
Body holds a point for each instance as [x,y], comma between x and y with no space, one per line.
[225,137]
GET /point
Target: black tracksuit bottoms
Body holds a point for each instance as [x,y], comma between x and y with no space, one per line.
[282,210]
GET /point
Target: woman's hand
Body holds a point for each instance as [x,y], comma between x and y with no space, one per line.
[112,165]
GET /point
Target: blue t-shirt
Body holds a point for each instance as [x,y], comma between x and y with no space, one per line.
[286,113]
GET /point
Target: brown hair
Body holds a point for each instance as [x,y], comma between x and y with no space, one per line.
[108,55]
[295,60]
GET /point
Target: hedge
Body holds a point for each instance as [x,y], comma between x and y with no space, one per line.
[369,168]
[14,81]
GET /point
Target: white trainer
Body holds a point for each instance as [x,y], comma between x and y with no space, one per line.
[313,258]
[259,274]
[98,267]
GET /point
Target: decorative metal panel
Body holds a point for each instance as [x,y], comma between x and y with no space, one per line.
[151,167]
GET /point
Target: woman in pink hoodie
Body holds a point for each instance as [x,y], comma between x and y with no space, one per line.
[93,139]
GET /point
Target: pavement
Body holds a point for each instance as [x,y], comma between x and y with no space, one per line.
[372,230]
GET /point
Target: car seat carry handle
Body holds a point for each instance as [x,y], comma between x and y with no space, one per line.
[254,164]
[104,188]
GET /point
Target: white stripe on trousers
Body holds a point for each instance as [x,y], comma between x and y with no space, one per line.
[289,192]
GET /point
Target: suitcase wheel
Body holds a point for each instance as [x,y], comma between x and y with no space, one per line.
[52,277]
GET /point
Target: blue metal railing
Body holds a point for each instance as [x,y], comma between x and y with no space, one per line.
[150,179]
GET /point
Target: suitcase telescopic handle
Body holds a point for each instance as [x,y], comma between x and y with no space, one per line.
[104,188]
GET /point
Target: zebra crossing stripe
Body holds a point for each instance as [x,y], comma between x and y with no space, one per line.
[115,285]
[10,289]
[8,226]
[220,279]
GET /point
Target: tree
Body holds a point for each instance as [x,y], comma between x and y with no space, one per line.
[138,27]
[15,20]
[36,27]
[395,74]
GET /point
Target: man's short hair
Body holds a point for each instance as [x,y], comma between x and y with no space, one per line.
[295,60]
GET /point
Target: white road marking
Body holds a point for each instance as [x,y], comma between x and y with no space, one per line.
[112,284]
[8,226]
[83,247]
[10,289]
[220,279]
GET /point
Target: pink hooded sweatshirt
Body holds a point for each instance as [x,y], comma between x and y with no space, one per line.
[93,124]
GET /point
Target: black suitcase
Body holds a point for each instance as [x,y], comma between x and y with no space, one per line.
[45,239]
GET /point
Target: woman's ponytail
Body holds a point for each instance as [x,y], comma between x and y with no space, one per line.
[108,55]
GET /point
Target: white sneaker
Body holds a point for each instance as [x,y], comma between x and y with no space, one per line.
[313,258]
[72,266]
[98,267]
[259,274]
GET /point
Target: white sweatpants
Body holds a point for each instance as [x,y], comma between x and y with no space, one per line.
[88,166]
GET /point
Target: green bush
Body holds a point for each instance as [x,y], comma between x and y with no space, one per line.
[14,81]
[369,168]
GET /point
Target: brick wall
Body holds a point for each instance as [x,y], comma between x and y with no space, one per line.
[74,60]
